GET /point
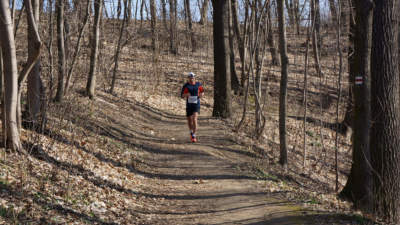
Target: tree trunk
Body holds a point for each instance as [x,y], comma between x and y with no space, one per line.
[234,78]
[119,46]
[173,27]
[91,84]
[204,12]
[271,42]
[315,35]
[10,78]
[332,8]
[61,50]
[77,48]
[385,129]
[283,85]
[359,184]
[35,84]
[119,9]
[164,13]
[190,25]
[222,77]
[153,25]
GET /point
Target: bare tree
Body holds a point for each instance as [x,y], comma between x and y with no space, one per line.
[77,47]
[153,24]
[91,83]
[270,40]
[120,44]
[359,184]
[190,25]
[164,13]
[283,85]
[11,132]
[61,50]
[204,12]
[222,83]
[173,26]
[385,129]
[35,84]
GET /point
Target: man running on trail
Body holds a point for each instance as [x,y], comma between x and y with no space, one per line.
[192,91]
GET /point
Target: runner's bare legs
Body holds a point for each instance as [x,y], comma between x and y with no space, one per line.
[194,122]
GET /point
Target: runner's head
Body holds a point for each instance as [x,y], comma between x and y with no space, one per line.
[191,77]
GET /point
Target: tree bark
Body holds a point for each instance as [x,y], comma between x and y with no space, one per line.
[153,25]
[12,135]
[190,25]
[77,48]
[283,85]
[359,184]
[173,27]
[385,129]
[91,83]
[61,50]
[222,77]
[235,85]
[204,12]
[119,45]
[164,14]
[315,35]
[271,42]
[332,8]
[35,84]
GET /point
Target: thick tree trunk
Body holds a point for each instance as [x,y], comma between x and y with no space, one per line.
[385,129]
[35,84]
[222,77]
[283,85]
[91,83]
[61,50]
[10,78]
[204,12]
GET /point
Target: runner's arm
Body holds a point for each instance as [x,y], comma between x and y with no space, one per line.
[201,91]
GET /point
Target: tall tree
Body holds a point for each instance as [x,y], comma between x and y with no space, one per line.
[7,43]
[173,26]
[91,83]
[385,129]
[204,12]
[190,25]
[270,40]
[283,84]
[222,80]
[61,50]
[153,24]
[164,13]
[120,45]
[359,184]
[235,85]
[35,84]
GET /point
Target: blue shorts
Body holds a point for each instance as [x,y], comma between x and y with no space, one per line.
[191,109]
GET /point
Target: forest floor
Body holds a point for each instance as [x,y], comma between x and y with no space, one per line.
[126,158]
[139,167]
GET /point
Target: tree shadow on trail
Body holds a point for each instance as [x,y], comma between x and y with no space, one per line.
[43,200]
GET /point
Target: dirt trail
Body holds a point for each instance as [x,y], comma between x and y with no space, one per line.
[202,183]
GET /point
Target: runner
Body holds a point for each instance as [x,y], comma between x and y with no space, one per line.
[192,91]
